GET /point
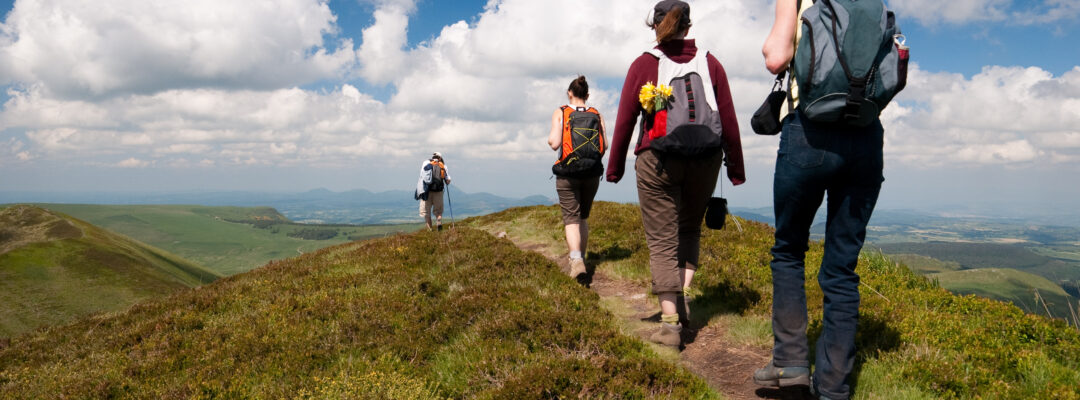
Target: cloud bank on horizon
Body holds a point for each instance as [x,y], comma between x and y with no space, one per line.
[213,85]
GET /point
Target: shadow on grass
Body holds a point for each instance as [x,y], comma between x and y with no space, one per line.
[798,392]
[717,299]
[722,298]
[612,253]
[873,335]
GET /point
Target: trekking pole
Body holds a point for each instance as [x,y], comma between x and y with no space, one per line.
[451,204]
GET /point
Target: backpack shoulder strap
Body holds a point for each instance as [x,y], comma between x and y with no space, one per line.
[567,136]
[566,111]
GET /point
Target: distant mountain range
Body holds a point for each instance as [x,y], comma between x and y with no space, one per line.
[314,206]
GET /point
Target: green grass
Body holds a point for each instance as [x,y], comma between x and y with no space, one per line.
[55,268]
[992,255]
[1064,253]
[228,240]
[458,314]
[924,265]
[1010,285]
[915,339]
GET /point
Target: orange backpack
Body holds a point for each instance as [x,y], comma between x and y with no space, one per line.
[583,144]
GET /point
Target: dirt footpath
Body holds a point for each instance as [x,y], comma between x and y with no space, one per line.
[727,367]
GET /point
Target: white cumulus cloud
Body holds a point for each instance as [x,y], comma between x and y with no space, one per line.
[80,49]
[1002,115]
[1018,12]
[210,84]
[132,163]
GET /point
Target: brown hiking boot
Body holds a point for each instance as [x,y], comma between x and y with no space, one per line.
[668,335]
[577,267]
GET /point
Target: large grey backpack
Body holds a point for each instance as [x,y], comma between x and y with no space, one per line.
[690,125]
[847,65]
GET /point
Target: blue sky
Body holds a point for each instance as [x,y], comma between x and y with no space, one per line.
[293,95]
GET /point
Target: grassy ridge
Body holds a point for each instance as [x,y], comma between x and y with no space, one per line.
[54,268]
[1010,285]
[228,240]
[461,315]
[992,255]
[924,265]
[915,339]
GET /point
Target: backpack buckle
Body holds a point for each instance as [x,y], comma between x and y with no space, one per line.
[855,99]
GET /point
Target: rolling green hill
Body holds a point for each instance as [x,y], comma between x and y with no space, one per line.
[54,268]
[228,240]
[1013,286]
[458,314]
[463,314]
[992,255]
[925,265]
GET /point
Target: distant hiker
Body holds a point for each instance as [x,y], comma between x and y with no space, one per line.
[577,133]
[687,131]
[429,189]
[830,143]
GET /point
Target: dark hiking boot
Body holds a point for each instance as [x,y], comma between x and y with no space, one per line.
[577,267]
[439,228]
[668,335]
[774,376]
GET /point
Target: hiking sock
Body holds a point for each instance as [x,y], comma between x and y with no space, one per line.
[671,319]
[575,254]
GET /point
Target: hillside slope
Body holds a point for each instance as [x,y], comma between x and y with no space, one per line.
[459,314]
[992,255]
[915,339]
[54,268]
[1010,285]
[228,240]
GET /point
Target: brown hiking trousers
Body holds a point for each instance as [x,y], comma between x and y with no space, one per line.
[576,197]
[673,201]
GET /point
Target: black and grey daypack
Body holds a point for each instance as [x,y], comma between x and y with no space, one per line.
[433,176]
[689,126]
[583,144]
[848,63]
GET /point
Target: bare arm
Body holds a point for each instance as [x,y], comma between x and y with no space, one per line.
[780,45]
[555,137]
[603,132]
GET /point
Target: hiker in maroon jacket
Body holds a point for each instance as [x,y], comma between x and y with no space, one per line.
[673,191]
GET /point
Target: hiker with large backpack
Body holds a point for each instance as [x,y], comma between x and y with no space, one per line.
[434,180]
[577,134]
[848,62]
[688,129]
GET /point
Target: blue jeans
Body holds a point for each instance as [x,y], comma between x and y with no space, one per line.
[846,163]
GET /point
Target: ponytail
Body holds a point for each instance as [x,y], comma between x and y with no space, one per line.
[673,23]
